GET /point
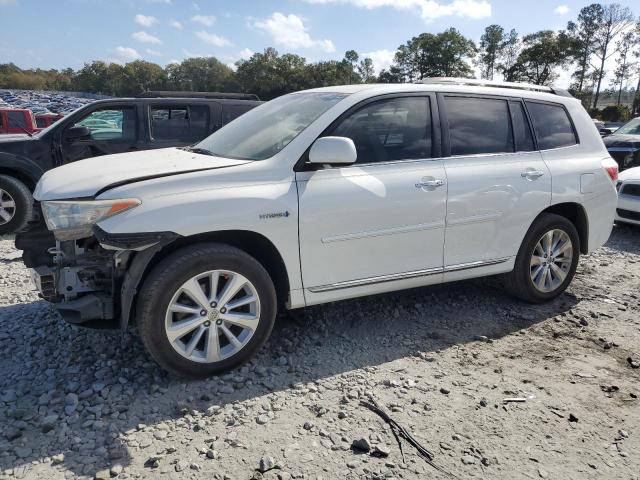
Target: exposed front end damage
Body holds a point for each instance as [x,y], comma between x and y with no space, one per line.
[91,281]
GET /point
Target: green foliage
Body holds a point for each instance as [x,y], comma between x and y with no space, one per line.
[492,44]
[615,113]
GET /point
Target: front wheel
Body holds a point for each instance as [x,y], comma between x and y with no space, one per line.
[16,205]
[206,309]
[547,260]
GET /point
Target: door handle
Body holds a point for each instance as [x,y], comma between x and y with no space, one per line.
[430,183]
[532,174]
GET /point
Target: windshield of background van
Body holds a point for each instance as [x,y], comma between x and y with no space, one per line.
[631,128]
[264,131]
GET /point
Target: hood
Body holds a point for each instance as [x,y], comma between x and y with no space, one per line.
[86,178]
[630,174]
[12,137]
[622,141]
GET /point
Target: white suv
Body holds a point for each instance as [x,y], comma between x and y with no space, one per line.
[319,196]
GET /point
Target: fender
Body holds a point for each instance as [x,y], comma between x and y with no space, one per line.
[24,168]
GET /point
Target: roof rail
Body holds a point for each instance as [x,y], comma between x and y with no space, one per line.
[497,84]
[214,95]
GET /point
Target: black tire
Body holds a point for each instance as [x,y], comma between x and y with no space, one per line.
[165,280]
[519,282]
[23,200]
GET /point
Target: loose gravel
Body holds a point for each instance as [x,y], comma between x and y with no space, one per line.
[493,387]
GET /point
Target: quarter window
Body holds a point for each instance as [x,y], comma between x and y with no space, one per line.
[479,125]
[388,130]
[188,123]
[552,125]
[521,128]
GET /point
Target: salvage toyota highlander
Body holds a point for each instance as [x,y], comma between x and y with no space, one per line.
[319,196]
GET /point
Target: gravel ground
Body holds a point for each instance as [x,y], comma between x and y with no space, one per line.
[77,403]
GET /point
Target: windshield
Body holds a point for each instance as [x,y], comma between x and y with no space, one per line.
[264,131]
[630,128]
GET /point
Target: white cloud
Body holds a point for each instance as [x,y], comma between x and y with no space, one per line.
[290,31]
[175,24]
[145,20]
[206,20]
[213,39]
[429,9]
[153,53]
[127,54]
[382,59]
[561,10]
[245,54]
[145,37]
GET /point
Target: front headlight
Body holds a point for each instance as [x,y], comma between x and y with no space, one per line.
[72,219]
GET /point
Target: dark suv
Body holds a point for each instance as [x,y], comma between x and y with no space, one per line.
[153,120]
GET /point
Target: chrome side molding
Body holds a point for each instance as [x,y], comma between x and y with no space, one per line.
[405,275]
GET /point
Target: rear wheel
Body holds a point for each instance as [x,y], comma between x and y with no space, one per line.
[206,309]
[16,205]
[547,260]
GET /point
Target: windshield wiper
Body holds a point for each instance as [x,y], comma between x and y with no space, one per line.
[201,151]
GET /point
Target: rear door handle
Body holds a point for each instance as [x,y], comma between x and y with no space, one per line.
[532,174]
[430,183]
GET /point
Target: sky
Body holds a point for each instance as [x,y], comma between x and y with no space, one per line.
[68,33]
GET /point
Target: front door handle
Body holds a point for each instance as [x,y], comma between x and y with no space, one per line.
[532,174]
[430,184]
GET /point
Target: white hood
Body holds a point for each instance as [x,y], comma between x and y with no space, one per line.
[86,177]
[630,174]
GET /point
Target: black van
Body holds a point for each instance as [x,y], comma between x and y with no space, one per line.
[152,120]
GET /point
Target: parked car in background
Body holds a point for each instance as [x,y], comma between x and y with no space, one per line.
[624,144]
[318,196]
[104,127]
[628,210]
[44,120]
[17,121]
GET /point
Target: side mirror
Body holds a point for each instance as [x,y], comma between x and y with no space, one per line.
[78,133]
[605,132]
[333,151]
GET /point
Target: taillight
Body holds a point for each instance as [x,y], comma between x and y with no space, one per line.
[611,167]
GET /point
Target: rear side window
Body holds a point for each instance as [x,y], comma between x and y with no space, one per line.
[187,123]
[17,120]
[552,125]
[521,128]
[479,125]
[388,130]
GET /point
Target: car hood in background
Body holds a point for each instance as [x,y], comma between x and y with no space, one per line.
[86,178]
[622,141]
[630,174]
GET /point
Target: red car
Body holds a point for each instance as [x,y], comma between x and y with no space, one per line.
[44,120]
[17,120]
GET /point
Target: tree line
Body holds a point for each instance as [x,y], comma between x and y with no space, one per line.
[599,32]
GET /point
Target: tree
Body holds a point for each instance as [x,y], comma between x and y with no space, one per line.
[541,54]
[624,66]
[270,75]
[365,70]
[491,45]
[443,54]
[351,58]
[509,55]
[583,34]
[615,19]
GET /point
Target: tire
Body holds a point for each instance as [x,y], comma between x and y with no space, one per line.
[166,286]
[16,205]
[520,282]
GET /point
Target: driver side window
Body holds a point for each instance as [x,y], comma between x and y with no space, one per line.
[111,124]
[389,130]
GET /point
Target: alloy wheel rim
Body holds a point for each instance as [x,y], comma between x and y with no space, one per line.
[551,260]
[212,316]
[7,207]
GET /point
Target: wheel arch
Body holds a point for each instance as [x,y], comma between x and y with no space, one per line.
[253,243]
[576,214]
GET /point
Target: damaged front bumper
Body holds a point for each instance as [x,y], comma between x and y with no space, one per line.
[91,281]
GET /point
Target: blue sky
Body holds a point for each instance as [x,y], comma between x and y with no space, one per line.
[63,33]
